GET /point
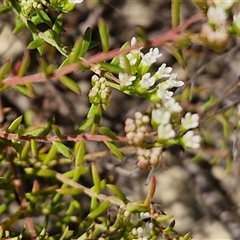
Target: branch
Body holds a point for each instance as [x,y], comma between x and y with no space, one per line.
[171,35]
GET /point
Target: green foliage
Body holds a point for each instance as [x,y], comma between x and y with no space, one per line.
[42,167]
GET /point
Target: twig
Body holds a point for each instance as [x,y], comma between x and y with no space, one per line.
[170,35]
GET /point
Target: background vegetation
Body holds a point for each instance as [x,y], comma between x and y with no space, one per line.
[119,119]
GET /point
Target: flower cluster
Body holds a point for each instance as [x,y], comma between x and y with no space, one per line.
[31,7]
[137,129]
[148,157]
[216,31]
[137,79]
[166,116]
[100,93]
[140,226]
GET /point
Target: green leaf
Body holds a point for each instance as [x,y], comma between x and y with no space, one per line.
[34,148]
[85,125]
[175,12]
[99,210]
[106,131]
[23,90]
[24,64]
[41,173]
[118,193]
[19,25]
[103,31]
[96,179]
[57,26]
[5,9]
[187,236]
[57,130]
[45,18]
[16,6]
[32,27]
[70,83]
[38,42]
[85,42]
[111,68]
[70,191]
[14,125]
[36,132]
[5,69]
[133,208]
[163,218]
[80,152]
[74,56]
[114,150]
[179,56]
[2,180]
[51,155]
[62,149]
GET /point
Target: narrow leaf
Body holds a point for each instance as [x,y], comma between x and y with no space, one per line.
[32,27]
[106,131]
[34,148]
[51,155]
[14,125]
[86,42]
[118,193]
[114,150]
[81,149]
[62,149]
[70,191]
[99,210]
[57,26]
[111,68]
[70,83]
[163,218]
[41,173]
[45,18]
[36,132]
[5,69]
[76,51]
[175,12]
[24,64]
[85,125]
[5,9]
[96,179]
[102,27]
[35,43]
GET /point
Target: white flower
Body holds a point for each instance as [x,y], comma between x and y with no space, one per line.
[165,131]
[236,20]
[161,116]
[219,35]
[163,71]
[162,91]
[172,105]
[125,79]
[225,4]
[172,82]
[216,15]
[147,81]
[190,120]
[149,58]
[190,140]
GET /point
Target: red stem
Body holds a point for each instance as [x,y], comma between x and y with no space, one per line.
[170,35]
